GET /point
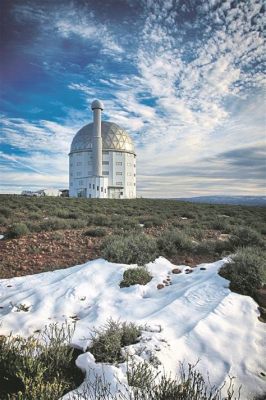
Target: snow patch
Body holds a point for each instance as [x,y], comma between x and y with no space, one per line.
[194,317]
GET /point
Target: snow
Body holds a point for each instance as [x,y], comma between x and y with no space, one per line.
[195,317]
[1,237]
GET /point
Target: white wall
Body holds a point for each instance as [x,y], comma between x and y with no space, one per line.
[118,167]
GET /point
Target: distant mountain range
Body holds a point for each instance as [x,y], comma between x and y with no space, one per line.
[238,200]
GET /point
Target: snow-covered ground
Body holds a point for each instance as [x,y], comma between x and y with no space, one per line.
[195,317]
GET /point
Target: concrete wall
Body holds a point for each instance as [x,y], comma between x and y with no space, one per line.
[118,167]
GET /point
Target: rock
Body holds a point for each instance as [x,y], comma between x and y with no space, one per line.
[176,271]
[189,271]
[203,268]
[160,286]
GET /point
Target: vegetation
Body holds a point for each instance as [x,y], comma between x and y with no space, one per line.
[17,229]
[130,249]
[38,367]
[107,342]
[246,270]
[135,276]
[134,231]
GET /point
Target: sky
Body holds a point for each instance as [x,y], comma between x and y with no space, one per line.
[184,78]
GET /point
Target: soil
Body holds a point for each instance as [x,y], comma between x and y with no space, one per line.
[48,251]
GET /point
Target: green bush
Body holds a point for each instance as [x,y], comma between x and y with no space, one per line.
[135,276]
[17,230]
[173,242]
[32,369]
[245,236]
[5,212]
[96,232]
[108,341]
[213,247]
[131,249]
[246,271]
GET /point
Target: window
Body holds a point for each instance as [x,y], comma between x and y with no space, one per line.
[80,183]
[71,164]
[89,162]
[105,172]
[78,173]
[93,186]
[119,183]
[105,152]
[119,173]
[118,163]
[97,187]
[90,196]
[79,163]
[89,185]
[101,189]
[105,162]
[104,190]
[71,184]
[119,154]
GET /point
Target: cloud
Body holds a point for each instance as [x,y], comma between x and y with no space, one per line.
[185,81]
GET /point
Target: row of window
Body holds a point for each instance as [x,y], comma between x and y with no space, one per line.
[119,163]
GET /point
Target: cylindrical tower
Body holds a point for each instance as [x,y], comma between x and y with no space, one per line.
[97,108]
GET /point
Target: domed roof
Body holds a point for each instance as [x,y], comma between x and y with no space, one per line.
[96,104]
[113,136]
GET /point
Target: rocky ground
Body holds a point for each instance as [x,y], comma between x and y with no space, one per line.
[46,251]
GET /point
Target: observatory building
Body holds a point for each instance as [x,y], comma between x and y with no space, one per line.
[102,160]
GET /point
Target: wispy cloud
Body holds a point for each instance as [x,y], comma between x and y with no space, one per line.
[185,80]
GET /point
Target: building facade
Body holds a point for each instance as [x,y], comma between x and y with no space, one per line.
[102,160]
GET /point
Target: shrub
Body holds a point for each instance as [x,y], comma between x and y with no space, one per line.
[246,271]
[17,230]
[5,212]
[213,247]
[171,242]
[131,249]
[96,232]
[147,384]
[38,369]
[151,221]
[135,276]
[245,236]
[108,340]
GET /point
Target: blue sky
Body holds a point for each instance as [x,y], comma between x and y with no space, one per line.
[183,77]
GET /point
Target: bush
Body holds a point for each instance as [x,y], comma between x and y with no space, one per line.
[172,242]
[17,230]
[108,341]
[213,247]
[131,249]
[245,236]
[135,276]
[38,369]
[95,232]
[246,271]
[5,212]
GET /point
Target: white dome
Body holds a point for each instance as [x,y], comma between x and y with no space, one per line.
[96,104]
[113,138]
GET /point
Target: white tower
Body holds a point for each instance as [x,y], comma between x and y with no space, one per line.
[97,108]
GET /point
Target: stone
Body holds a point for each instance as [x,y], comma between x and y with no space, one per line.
[176,271]
[160,286]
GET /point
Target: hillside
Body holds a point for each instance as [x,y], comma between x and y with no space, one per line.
[47,233]
[168,283]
